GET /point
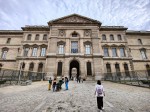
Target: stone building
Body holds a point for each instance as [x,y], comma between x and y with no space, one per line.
[75,41]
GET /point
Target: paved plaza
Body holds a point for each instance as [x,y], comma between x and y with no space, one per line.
[79,98]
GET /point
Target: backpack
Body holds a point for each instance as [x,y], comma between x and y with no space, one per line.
[99,91]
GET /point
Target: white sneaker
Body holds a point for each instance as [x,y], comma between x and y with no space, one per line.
[102,108]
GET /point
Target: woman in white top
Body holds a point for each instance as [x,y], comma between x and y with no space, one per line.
[99,92]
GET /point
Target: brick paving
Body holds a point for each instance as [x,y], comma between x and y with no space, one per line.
[79,98]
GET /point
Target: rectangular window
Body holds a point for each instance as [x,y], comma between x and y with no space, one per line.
[8,40]
[114,52]
[122,52]
[34,53]
[143,53]
[61,49]
[74,47]
[4,54]
[26,50]
[106,54]
[87,49]
[43,52]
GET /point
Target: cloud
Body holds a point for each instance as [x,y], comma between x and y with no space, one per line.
[133,14]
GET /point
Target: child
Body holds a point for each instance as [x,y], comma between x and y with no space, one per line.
[99,92]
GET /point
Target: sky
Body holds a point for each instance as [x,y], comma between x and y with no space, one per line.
[133,14]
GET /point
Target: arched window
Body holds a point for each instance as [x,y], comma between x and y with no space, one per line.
[4,53]
[89,68]
[103,37]
[31,67]
[40,67]
[37,37]
[119,37]
[59,69]
[148,69]
[111,37]
[139,41]
[126,69]
[29,37]
[45,37]
[117,69]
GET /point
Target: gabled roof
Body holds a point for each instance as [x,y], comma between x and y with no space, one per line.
[74,19]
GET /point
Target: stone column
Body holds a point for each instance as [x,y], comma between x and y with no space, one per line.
[118,52]
[30,52]
[110,51]
[39,51]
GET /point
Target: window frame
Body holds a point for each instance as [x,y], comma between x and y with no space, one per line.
[115,52]
[87,49]
[34,51]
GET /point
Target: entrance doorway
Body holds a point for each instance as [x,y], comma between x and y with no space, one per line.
[74,64]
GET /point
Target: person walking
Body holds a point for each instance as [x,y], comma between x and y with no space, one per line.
[99,92]
[50,83]
[66,83]
[54,84]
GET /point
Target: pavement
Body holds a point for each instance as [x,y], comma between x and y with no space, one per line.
[79,98]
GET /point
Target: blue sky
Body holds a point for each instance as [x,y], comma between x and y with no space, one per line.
[134,14]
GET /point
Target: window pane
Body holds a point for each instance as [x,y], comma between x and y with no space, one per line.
[4,54]
[119,37]
[74,47]
[106,52]
[143,53]
[61,49]
[114,52]
[122,52]
[108,68]
[87,49]
[37,37]
[111,37]
[103,37]
[43,51]
[34,53]
[26,50]
[45,37]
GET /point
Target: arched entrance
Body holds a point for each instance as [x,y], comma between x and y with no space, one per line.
[74,64]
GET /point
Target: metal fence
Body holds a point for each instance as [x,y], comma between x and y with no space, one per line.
[137,78]
[15,76]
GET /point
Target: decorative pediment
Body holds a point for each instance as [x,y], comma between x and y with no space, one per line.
[61,43]
[87,43]
[74,18]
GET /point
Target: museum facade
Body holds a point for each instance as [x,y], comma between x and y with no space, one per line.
[75,41]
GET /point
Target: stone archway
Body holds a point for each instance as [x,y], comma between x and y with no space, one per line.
[74,64]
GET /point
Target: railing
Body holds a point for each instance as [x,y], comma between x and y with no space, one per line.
[8,76]
[137,78]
